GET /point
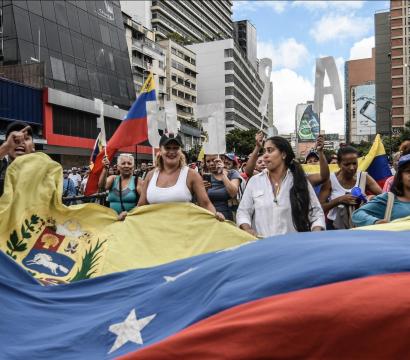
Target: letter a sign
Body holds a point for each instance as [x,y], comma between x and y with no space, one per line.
[323,66]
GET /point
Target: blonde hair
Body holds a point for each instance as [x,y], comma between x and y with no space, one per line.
[159,161]
[125,155]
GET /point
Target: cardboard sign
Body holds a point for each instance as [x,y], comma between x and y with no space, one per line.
[99,106]
[213,123]
[265,69]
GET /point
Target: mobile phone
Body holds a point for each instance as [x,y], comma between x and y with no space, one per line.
[206,177]
[368,110]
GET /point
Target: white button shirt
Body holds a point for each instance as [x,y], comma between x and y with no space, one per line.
[267,217]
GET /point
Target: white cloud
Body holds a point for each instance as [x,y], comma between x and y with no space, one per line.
[290,89]
[329,5]
[289,53]
[242,7]
[362,49]
[339,27]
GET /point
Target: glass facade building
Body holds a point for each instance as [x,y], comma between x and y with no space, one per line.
[81,43]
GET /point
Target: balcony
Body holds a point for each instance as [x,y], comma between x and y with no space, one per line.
[137,45]
[138,62]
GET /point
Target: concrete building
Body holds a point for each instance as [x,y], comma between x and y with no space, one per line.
[360,92]
[245,35]
[181,87]
[383,72]
[291,138]
[225,74]
[145,56]
[140,11]
[74,52]
[195,20]
[400,63]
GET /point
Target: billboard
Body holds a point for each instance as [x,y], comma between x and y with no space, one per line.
[365,101]
[307,123]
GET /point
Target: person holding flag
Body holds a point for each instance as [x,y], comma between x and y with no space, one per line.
[132,131]
[124,189]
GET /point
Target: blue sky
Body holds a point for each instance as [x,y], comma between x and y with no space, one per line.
[294,33]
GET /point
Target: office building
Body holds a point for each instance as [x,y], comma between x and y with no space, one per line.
[245,36]
[383,79]
[400,63]
[81,44]
[360,99]
[194,20]
[182,89]
[145,56]
[75,51]
[225,74]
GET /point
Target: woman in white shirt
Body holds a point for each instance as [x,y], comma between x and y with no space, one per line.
[280,199]
[172,180]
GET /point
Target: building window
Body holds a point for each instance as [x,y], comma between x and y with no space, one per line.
[57,69]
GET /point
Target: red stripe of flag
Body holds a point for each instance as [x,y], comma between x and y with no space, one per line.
[360,319]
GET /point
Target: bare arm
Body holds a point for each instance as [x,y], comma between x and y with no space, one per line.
[103,180]
[372,185]
[324,174]
[232,186]
[143,196]
[253,157]
[140,184]
[198,189]
[325,191]
[324,196]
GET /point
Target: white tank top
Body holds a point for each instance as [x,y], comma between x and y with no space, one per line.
[339,190]
[177,193]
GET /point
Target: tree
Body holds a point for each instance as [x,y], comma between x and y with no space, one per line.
[392,144]
[363,148]
[193,153]
[241,142]
[179,39]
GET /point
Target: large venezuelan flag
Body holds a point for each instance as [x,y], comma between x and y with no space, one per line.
[132,131]
[98,147]
[327,295]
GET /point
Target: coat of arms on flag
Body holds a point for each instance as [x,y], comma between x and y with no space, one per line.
[44,256]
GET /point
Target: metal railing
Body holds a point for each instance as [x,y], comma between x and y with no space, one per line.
[98,198]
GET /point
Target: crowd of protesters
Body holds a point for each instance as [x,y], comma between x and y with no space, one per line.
[267,194]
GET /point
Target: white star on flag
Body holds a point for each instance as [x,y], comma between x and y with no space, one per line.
[129,330]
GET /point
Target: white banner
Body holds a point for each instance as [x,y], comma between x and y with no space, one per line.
[265,70]
[99,106]
[170,109]
[213,123]
[154,115]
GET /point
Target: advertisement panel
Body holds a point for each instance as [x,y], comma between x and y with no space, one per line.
[307,123]
[365,100]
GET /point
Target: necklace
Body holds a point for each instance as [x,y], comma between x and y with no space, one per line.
[276,188]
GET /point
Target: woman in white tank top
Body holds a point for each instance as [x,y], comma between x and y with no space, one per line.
[336,191]
[172,180]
